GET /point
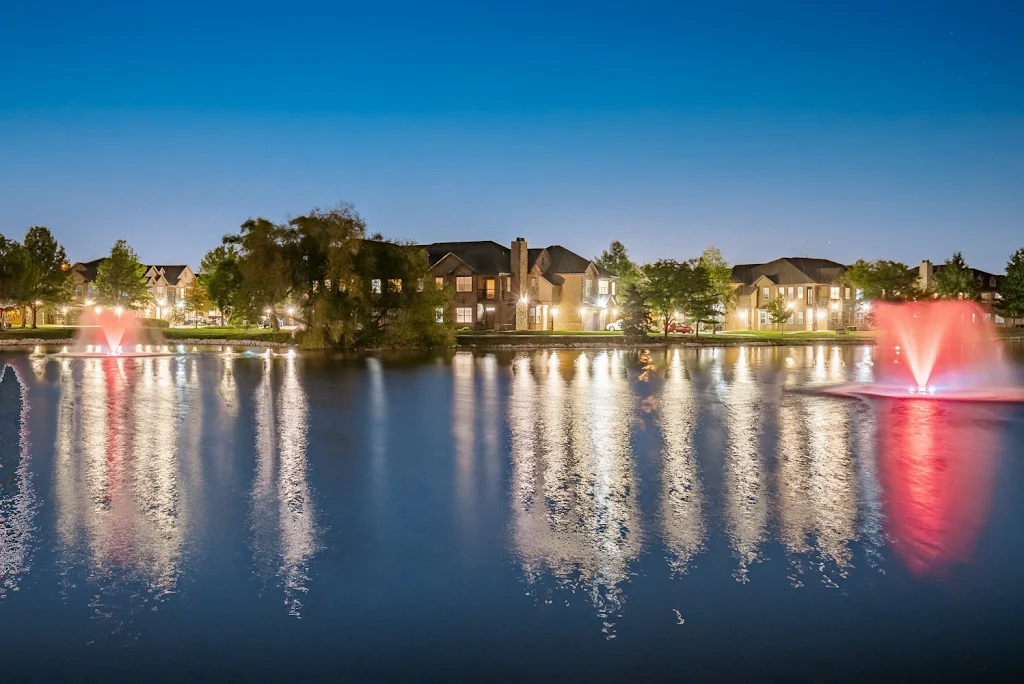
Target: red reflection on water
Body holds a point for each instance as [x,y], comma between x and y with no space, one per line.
[938,463]
[926,341]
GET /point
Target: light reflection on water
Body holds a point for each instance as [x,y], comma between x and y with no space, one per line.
[589,476]
[574,510]
[17,496]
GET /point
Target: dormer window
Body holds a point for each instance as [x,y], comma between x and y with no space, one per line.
[602,287]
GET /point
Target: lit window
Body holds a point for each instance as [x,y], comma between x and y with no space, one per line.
[375,286]
[602,287]
[810,295]
[439,314]
[765,293]
[439,282]
[800,292]
[613,288]
[479,311]
[789,295]
[847,293]
[533,282]
[489,287]
[834,292]
[586,288]
[464,284]
[464,314]
[394,285]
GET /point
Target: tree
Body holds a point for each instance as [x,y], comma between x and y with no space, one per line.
[14,276]
[121,279]
[955,279]
[197,300]
[662,287]
[778,311]
[47,281]
[881,280]
[701,296]
[616,261]
[220,276]
[1011,288]
[262,264]
[720,276]
[636,316]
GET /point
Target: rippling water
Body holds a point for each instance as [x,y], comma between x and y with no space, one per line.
[695,513]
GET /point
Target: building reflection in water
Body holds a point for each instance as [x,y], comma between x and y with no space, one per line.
[17,498]
[285,535]
[746,494]
[938,464]
[574,507]
[682,519]
[816,482]
[122,512]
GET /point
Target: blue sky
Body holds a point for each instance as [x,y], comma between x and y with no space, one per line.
[841,130]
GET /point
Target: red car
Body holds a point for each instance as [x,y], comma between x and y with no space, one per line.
[681,328]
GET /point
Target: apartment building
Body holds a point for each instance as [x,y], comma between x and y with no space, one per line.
[168,287]
[813,289]
[988,291]
[518,288]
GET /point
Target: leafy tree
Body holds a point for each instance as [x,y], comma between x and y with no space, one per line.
[197,300]
[881,280]
[662,288]
[616,261]
[220,276]
[777,310]
[1011,287]
[263,265]
[15,266]
[47,282]
[720,276]
[955,279]
[121,279]
[702,296]
[636,316]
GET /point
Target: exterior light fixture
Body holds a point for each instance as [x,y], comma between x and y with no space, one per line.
[291,310]
[118,310]
[99,310]
[89,302]
[554,311]
[583,311]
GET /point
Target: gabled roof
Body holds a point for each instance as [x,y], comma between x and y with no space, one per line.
[981,278]
[790,270]
[88,268]
[172,274]
[564,261]
[483,256]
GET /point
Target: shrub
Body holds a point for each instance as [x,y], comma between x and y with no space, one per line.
[154,323]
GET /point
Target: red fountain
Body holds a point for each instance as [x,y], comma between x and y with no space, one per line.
[110,332]
[938,349]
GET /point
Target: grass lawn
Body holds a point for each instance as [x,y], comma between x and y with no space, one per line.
[540,333]
[799,334]
[43,332]
[227,333]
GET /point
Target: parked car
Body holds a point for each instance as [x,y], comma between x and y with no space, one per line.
[616,326]
[680,328]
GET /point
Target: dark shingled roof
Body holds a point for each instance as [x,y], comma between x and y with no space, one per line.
[564,261]
[88,268]
[790,270]
[172,274]
[484,256]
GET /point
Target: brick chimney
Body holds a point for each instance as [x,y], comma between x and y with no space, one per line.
[924,275]
[520,280]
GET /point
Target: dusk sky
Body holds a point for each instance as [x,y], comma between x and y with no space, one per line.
[836,129]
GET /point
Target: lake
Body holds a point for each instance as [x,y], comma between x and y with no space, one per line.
[702,514]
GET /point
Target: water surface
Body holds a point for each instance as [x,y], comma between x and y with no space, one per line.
[700,514]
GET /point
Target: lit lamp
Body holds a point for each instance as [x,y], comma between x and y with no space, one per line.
[554,311]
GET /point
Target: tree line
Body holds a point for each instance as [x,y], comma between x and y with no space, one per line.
[698,289]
